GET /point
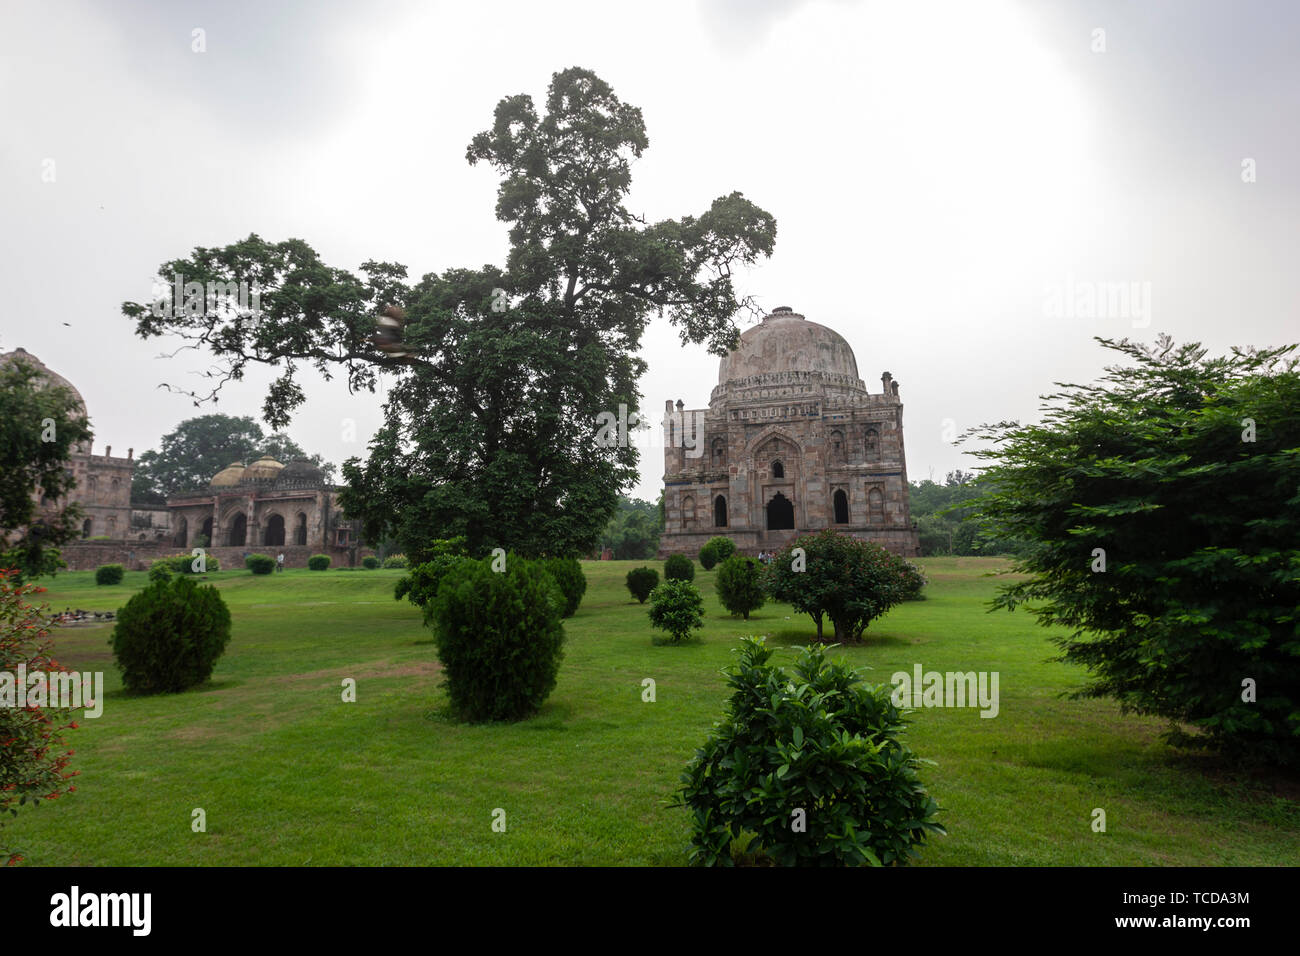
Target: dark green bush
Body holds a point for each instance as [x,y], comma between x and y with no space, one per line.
[499,637]
[806,769]
[161,570]
[716,550]
[421,584]
[260,563]
[184,563]
[740,585]
[109,574]
[641,581]
[168,636]
[679,567]
[318,562]
[370,562]
[678,608]
[567,573]
[850,581]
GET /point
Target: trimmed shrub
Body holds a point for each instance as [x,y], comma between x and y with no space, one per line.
[318,562]
[396,561]
[850,581]
[168,636]
[33,752]
[567,573]
[715,551]
[679,567]
[260,563]
[184,563]
[370,562]
[641,581]
[421,585]
[109,574]
[914,582]
[740,585]
[161,570]
[815,747]
[499,637]
[677,607]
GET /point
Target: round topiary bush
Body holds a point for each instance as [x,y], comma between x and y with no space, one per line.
[677,607]
[260,563]
[109,574]
[567,573]
[641,581]
[185,563]
[168,636]
[806,769]
[161,570]
[740,585]
[370,562]
[679,567]
[499,637]
[318,562]
[396,561]
[716,550]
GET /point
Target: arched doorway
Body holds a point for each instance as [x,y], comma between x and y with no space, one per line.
[841,507]
[238,530]
[206,531]
[182,534]
[88,527]
[300,533]
[876,506]
[720,512]
[780,513]
[275,530]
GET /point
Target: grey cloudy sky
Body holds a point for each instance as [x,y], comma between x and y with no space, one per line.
[944,175]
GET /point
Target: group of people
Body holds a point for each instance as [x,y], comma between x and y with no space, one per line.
[764,557]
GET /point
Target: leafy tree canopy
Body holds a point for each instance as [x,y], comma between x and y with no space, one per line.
[1163,507]
[502,372]
[40,424]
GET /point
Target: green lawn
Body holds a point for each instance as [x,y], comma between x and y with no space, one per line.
[289,774]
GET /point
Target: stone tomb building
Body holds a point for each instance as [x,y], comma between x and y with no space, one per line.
[792,442]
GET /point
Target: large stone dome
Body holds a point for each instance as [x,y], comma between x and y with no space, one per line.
[787,342]
[229,476]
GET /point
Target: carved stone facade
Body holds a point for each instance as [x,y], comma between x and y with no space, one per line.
[792,442]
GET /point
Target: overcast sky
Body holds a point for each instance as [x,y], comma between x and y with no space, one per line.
[949,180]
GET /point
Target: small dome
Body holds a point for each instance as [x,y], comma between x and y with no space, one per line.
[264,467]
[302,470]
[229,476]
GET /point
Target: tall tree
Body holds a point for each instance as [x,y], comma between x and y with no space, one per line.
[40,424]
[490,429]
[1163,507]
[200,447]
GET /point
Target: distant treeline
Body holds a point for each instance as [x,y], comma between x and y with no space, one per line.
[947,524]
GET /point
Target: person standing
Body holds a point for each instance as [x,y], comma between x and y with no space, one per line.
[279,562]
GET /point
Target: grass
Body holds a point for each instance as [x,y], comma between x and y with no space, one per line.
[288,774]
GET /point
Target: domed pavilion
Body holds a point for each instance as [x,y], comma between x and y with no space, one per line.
[792,442]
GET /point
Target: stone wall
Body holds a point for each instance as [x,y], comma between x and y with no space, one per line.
[137,555]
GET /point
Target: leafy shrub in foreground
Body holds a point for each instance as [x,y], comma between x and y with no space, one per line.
[168,636]
[678,608]
[499,637]
[161,570]
[260,563]
[679,567]
[641,581]
[33,753]
[806,769]
[421,584]
[740,585]
[318,562]
[109,574]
